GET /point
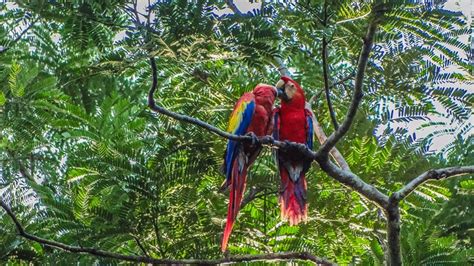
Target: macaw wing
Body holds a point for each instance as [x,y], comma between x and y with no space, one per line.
[309,135]
[276,132]
[309,128]
[239,122]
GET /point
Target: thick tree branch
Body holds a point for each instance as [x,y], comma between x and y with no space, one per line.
[393,234]
[392,211]
[143,259]
[431,175]
[357,96]
[353,181]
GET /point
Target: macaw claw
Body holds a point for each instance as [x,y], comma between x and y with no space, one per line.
[254,138]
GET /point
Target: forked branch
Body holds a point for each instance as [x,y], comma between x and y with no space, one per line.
[357,96]
[431,175]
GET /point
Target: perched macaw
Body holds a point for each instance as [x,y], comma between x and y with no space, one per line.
[293,122]
[253,114]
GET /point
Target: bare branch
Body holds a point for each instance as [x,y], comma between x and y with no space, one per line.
[431,175]
[324,54]
[343,80]
[137,240]
[282,68]
[357,96]
[393,234]
[143,259]
[353,181]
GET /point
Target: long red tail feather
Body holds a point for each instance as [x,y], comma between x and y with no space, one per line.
[293,198]
[237,188]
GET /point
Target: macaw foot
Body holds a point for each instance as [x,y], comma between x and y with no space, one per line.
[254,138]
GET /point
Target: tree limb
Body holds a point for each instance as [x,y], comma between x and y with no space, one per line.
[357,96]
[341,81]
[431,175]
[137,240]
[324,56]
[144,259]
[353,181]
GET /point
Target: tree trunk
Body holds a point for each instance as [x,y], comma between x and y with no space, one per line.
[393,234]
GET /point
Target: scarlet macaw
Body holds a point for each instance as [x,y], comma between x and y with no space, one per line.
[253,114]
[293,123]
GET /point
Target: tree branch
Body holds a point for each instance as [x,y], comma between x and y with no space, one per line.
[353,181]
[143,259]
[341,81]
[431,175]
[357,96]
[324,54]
[137,240]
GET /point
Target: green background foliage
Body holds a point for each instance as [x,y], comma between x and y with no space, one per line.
[84,162]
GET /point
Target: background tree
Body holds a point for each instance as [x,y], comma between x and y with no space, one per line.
[86,164]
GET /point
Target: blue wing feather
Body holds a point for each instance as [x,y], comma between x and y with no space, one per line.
[309,136]
[309,131]
[242,117]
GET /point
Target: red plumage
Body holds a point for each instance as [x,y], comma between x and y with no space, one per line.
[252,113]
[293,123]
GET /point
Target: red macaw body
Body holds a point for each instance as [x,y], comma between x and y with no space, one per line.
[293,123]
[252,113]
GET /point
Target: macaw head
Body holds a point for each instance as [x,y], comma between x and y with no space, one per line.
[266,91]
[290,91]
[265,94]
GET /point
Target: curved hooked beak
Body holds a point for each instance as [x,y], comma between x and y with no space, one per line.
[280,86]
